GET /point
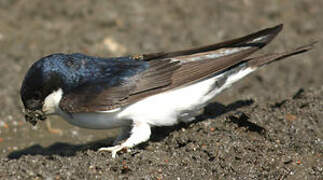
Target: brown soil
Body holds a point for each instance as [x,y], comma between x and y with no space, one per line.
[269,126]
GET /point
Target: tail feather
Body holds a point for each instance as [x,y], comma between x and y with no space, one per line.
[234,73]
[269,58]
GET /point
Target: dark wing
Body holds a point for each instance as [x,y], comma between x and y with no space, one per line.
[100,95]
[245,41]
[203,62]
[166,71]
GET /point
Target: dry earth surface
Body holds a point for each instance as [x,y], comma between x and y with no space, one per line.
[269,126]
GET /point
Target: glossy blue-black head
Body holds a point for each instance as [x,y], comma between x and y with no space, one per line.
[42,78]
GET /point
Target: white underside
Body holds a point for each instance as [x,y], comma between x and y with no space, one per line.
[163,109]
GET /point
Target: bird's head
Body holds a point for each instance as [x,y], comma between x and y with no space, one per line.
[40,81]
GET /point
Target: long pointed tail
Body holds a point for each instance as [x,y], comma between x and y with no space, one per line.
[269,58]
[228,76]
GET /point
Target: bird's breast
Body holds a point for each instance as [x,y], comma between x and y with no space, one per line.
[96,120]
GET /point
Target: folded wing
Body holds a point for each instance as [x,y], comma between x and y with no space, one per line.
[165,71]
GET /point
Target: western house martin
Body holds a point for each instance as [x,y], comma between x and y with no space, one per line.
[138,92]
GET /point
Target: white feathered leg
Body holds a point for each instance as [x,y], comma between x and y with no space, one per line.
[140,133]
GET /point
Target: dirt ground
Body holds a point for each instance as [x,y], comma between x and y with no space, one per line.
[269,126]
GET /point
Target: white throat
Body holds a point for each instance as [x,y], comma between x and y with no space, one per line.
[51,102]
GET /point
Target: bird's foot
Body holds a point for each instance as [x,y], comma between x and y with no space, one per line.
[114,149]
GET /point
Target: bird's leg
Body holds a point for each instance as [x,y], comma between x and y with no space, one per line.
[140,133]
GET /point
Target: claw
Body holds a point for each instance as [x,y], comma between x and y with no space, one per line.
[113,149]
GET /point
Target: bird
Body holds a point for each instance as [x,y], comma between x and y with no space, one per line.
[135,93]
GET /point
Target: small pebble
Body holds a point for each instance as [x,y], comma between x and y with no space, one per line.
[290,117]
